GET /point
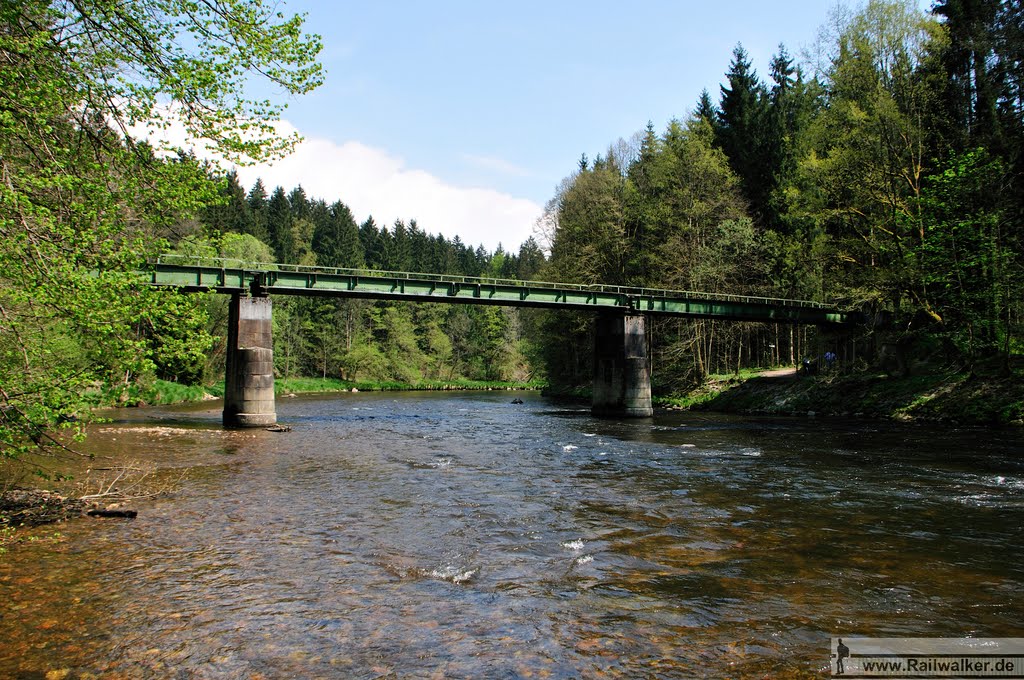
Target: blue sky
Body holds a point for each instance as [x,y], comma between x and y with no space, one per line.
[467,115]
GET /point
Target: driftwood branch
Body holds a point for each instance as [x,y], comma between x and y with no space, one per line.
[129,514]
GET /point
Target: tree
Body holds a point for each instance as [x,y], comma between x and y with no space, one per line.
[792,106]
[291,331]
[336,239]
[969,60]
[645,225]
[279,226]
[980,78]
[869,161]
[232,213]
[530,260]
[257,202]
[590,244]
[373,243]
[298,204]
[966,262]
[302,242]
[401,255]
[705,110]
[696,192]
[83,204]
[740,129]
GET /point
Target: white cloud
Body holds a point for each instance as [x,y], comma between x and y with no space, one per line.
[375,182]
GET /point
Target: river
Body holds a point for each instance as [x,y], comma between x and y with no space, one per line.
[458,535]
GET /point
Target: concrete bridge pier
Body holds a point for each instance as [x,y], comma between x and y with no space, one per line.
[622,374]
[249,374]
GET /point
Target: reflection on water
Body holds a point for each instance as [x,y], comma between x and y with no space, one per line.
[458,535]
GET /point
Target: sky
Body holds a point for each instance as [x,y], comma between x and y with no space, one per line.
[466,115]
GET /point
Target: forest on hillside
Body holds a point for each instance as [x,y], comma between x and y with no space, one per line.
[880,170]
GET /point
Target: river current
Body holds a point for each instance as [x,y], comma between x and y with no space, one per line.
[458,535]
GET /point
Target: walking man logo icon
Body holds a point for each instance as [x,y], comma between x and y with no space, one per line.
[842,652]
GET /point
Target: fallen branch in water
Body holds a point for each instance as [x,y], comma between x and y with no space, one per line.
[110,490]
[125,485]
[129,514]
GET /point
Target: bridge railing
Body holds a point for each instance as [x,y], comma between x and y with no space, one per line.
[247,265]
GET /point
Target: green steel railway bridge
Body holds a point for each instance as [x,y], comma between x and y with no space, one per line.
[622,384]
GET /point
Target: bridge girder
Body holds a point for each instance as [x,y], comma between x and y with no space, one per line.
[464,290]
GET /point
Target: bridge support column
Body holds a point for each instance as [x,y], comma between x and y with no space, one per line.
[622,375]
[249,375]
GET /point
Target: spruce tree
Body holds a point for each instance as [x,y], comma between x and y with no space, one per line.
[336,239]
[279,225]
[705,109]
[969,60]
[740,130]
[372,241]
[257,203]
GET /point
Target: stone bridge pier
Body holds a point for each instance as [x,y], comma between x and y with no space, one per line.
[622,373]
[249,374]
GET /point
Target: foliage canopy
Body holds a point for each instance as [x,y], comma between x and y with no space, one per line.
[82,203]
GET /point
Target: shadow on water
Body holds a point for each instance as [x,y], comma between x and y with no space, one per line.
[461,535]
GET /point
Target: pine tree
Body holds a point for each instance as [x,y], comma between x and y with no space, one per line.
[232,213]
[705,110]
[969,60]
[371,239]
[279,224]
[299,203]
[792,106]
[400,256]
[336,239]
[740,130]
[530,260]
[642,196]
[257,203]
[419,244]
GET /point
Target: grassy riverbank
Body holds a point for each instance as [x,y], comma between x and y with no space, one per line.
[166,392]
[956,398]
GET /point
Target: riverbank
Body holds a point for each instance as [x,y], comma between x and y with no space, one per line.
[947,397]
[163,392]
[940,397]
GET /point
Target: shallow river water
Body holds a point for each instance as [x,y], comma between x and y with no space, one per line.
[457,535]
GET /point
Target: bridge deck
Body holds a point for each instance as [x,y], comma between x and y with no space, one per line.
[227,276]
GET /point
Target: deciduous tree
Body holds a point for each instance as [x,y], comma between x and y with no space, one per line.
[81,200]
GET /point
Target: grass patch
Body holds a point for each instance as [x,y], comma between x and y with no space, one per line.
[310,385]
[167,392]
[157,392]
[715,385]
[302,385]
[684,402]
